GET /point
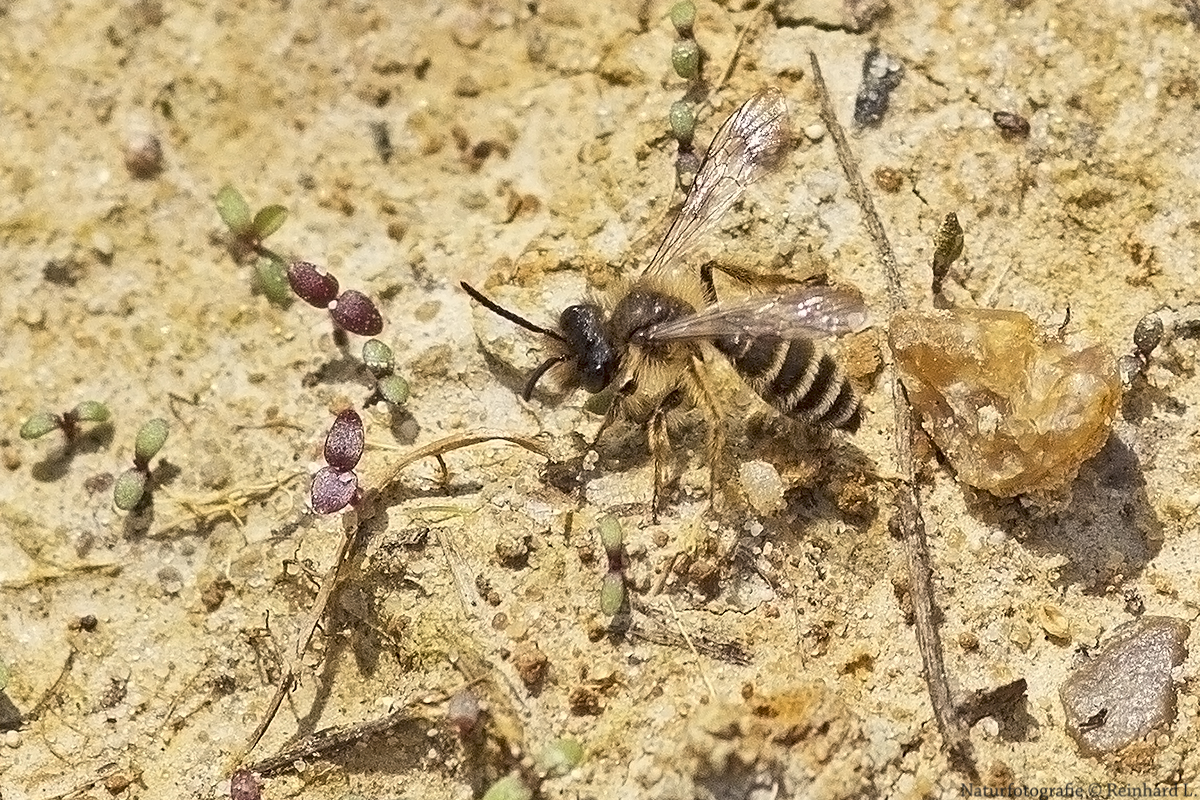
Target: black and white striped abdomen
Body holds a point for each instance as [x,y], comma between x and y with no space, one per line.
[796,377]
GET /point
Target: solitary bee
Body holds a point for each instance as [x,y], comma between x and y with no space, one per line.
[651,345]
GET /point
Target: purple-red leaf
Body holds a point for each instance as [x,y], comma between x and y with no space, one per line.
[355,312]
[333,490]
[344,444]
[312,284]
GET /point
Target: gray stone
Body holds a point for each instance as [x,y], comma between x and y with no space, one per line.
[1127,690]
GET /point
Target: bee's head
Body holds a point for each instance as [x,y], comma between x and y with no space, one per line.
[587,336]
[581,331]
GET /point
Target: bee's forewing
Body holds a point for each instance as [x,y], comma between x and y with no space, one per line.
[812,312]
[749,145]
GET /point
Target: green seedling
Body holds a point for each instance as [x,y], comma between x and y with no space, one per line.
[381,363]
[378,358]
[510,787]
[129,490]
[556,759]
[393,389]
[683,122]
[612,589]
[685,58]
[248,232]
[43,422]
[612,593]
[683,17]
[560,757]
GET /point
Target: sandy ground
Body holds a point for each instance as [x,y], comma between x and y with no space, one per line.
[120,289]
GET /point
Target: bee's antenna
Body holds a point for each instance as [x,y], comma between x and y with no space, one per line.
[537,374]
[519,320]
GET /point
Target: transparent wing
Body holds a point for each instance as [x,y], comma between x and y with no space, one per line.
[812,312]
[748,146]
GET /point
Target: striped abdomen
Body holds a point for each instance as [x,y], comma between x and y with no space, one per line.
[796,377]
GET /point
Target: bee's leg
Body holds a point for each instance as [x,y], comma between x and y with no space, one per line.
[706,279]
[660,446]
[615,409]
[659,443]
[716,432]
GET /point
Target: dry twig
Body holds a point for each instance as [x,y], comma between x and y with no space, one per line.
[908,519]
[204,509]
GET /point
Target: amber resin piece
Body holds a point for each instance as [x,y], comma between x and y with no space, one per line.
[1014,410]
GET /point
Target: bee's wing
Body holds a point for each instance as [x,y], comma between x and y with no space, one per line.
[747,146]
[811,312]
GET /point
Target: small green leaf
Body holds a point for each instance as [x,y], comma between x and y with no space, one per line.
[685,58]
[91,411]
[612,593]
[234,210]
[611,536]
[268,220]
[560,757]
[683,17]
[378,357]
[394,389]
[39,424]
[129,488]
[150,439]
[510,787]
[683,121]
[272,279]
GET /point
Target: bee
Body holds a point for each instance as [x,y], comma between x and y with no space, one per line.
[651,344]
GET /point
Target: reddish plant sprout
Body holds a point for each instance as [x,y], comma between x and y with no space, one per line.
[353,311]
[336,486]
[312,284]
[245,785]
[344,444]
[333,490]
[463,711]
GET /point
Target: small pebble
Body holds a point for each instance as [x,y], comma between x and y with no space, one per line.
[1011,124]
[1127,691]
[463,711]
[143,155]
[881,73]
[815,132]
[170,580]
[12,739]
[102,245]
[531,663]
[762,485]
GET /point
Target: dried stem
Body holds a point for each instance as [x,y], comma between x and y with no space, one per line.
[908,519]
[330,740]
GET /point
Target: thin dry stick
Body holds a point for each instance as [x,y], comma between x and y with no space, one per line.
[351,541]
[752,25]
[908,502]
[712,693]
[228,503]
[330,740]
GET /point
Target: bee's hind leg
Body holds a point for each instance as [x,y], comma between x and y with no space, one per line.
[658,441]
[660,446]
[716,432]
